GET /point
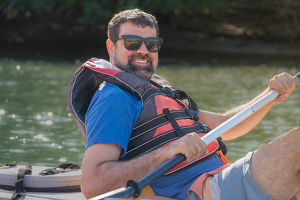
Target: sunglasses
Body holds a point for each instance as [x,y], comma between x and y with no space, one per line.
[134,42]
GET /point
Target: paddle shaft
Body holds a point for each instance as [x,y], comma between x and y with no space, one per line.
[135,187]
[241,116]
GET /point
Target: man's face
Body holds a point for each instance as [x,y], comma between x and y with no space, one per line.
[140,62]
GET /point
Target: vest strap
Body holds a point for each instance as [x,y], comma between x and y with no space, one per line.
[20,181]
[173,123]
[192,105]
[64,167]
[151,92]
[160,140]
[8,165]
[157,122]
[167,91]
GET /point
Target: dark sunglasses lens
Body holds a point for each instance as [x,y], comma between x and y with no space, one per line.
[132,43]
[153,45]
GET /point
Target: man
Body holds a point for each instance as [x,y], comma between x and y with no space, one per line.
[113,113]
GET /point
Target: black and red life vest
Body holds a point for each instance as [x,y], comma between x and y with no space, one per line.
[165,116]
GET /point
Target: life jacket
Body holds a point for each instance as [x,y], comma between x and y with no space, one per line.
[167,114]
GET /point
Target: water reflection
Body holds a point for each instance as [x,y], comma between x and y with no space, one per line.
[37,128]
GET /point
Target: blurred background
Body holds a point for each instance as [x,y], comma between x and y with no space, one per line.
[77,29]
[221,52]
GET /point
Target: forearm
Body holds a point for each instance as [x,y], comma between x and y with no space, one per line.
[215,119]
[101,172]
[249,123]
[110,175]
[283,83]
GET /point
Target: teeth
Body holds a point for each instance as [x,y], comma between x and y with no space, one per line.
[141,61]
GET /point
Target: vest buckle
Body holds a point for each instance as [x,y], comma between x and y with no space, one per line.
[170,93]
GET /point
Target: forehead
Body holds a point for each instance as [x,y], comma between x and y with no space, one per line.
[127,28]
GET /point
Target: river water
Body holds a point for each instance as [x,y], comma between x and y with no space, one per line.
[37,128]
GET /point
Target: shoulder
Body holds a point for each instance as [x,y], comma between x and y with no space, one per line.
[110,92]
[112,100]
[111,117]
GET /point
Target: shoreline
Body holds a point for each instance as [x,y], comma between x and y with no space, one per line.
[190,50]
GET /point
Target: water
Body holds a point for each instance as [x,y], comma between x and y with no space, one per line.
[35,124]
[37,128]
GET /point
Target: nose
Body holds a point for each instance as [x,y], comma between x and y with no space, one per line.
[143,49]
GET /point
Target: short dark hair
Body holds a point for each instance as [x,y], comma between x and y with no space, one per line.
[135,16]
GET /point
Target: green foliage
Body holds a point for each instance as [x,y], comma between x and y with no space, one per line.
[9,6]
[95,11]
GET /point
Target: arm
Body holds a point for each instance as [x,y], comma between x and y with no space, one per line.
[108,130]
[102,172]
[283,83]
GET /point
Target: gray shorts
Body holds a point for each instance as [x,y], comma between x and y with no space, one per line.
[236,183]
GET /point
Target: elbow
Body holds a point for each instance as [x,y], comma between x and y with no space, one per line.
[89,189]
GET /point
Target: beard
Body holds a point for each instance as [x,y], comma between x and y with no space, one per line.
[144,72]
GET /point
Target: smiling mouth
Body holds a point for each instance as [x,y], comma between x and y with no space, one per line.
[141,61]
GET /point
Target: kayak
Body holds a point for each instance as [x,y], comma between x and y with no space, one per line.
[61,182]
[42,182]
[7,194]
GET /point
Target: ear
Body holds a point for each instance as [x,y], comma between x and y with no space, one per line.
[110,47]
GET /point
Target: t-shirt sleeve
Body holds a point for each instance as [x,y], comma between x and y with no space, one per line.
[111,117]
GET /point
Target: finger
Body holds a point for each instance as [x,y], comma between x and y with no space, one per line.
[291,82]
[282,83]
[199,147]
[281,98]
[202,147]
[184,147]
[193,146]
[276,85]
[287,81]
[190,146]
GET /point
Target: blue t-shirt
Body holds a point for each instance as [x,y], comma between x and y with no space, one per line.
[111,117]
